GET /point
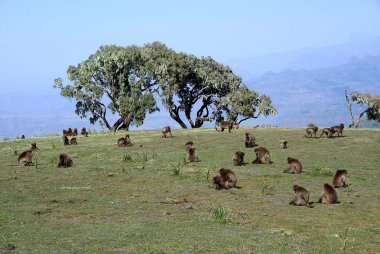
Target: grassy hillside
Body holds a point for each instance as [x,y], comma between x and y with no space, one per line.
[130,200]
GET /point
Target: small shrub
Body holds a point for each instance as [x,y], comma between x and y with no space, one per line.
[320,171]
[127,158]
[266,189]
[176,169]
[311,125]
[220,215]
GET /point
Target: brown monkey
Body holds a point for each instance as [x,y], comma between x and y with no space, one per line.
[166,130]
[25,158]
[301,196]
[339,129]
[262,155]
[192,155]
[328,132]
[228,178]
[339,178]
[75,132]
[189,144]
[65,140]
[238,158]
[128,140]
[121,142]
[225,125]
[33,146]
[69,132]
[284,144]
[250,140]
[310,131]
[295,166]
[64,132]
[329,195]
[84,132]
[73,141]
[64,161]
[218,183]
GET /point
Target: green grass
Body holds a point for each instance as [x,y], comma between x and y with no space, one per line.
[131,200]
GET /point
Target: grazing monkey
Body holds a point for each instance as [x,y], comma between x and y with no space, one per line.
[64,161]
[301,196]
[284,144]
[65,140]
[225,125]
[121,142]
[329,195]
[188,145]
[225,180]
[192,155]
[166,130]
[262,155]
[69,132]
[339,129]
[75,132]
[339,178]
[328,132]
[295,166]
[84,132]
[73,141]
[238,158]
[25,158]
[310,131]
[249,140]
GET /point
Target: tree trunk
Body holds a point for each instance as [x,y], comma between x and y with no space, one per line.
[359,119]
[175,116]
[350,110]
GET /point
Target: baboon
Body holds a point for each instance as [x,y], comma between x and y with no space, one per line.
[238,158]
[284,144]
[295,166]
[301,196]
[69,132]
[192,155]
[166,130]
[235,125]
[84,132]
[65,140]
[329,195]
[339,178]
[25,158]
[225,125]
[23,137]
[339,129]
[127,140]
[33,146]
[250,140]
[64,161]
[189,144]
[75,132]
[310,131]
[64,132]
[328,132]
[73,141]
[262,155]
[227,179]
[121,142]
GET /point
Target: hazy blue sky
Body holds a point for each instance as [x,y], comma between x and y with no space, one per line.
[40,39]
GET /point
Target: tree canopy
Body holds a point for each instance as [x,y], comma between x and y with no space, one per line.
[125,80]
[371,104]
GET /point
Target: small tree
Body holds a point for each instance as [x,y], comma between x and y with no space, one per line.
[246,103]
[115,79]
[371,105]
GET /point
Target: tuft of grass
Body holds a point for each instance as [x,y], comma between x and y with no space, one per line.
[15,152]
[266,189]
[176,168]
[53,145]
[220,214]
[320,171]
[127,158]
[207,174]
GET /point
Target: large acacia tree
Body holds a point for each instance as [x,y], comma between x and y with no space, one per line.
[113,79]
[124,80]
[370,107]
[198,88]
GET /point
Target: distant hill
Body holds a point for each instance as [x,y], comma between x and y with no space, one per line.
[306,58]
[317,96]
